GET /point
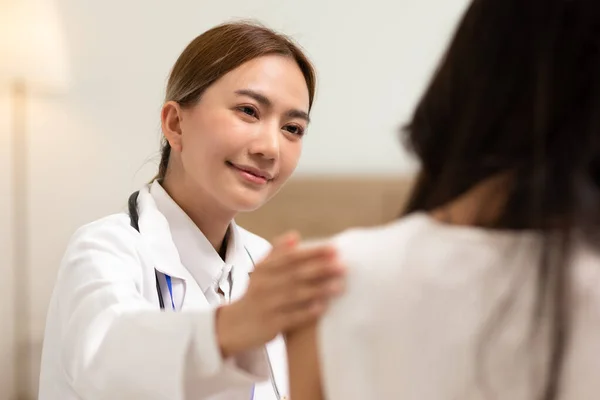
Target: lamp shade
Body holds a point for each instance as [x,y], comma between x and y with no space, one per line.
[32,46]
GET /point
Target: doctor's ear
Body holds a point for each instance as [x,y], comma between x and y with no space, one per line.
[170,116]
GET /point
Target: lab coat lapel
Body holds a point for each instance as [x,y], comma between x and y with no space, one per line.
[155,232]
[278,355]
[241,261]
[243,265]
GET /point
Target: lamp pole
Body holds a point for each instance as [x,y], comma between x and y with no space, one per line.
[20,201]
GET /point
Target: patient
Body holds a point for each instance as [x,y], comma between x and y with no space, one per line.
[489,286]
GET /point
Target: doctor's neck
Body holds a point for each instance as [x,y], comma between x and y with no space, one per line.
[211,217]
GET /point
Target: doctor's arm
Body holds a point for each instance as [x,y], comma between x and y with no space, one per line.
[304,368]
[116,344]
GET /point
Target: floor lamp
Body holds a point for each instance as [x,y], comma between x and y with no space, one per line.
[32,63]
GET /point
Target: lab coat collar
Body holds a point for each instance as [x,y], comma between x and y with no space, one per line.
[241,260]
[237,253]
[180,249]
[196,253]
[154,229]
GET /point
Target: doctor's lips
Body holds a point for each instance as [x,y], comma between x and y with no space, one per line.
[252,174]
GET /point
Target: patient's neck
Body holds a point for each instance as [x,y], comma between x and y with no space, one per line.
[480,206]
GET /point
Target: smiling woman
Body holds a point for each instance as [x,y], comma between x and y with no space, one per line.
[237,107]
[240,141]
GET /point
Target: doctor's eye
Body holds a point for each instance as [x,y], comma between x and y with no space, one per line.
[295,130]
[248,110]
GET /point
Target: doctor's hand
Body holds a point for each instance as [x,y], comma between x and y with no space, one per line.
[289,288]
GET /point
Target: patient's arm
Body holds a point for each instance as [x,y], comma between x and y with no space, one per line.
[305,376]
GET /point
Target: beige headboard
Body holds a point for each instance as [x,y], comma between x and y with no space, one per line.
[322,206]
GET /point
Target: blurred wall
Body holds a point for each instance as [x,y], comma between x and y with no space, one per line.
[98,142]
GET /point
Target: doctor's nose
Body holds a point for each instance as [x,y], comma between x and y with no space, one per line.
[266,143]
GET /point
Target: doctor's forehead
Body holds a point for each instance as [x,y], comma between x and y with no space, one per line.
[269,79]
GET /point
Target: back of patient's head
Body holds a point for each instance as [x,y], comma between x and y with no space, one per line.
[518,91]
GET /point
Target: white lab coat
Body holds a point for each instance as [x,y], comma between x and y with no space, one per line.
[106,339]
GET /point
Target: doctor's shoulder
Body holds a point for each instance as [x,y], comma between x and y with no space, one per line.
[107,246]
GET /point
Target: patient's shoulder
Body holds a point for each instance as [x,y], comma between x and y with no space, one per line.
[383,243]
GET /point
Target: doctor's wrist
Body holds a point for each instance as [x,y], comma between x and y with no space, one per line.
[228,331]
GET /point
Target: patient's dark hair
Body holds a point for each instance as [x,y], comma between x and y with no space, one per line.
[518,92]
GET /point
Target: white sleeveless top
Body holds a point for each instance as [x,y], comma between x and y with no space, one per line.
[422,317]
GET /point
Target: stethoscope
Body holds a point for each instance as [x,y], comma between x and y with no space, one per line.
[134,221]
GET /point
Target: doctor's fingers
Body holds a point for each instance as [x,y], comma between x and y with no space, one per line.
[296,317]
[285,241]
[299,277]
[289,258]
[301,294]
[316,269]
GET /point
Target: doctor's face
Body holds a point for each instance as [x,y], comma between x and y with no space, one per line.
[243,138]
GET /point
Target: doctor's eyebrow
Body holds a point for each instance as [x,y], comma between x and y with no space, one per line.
[266,102]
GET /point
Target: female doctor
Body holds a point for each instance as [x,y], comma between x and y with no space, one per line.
[237,106]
